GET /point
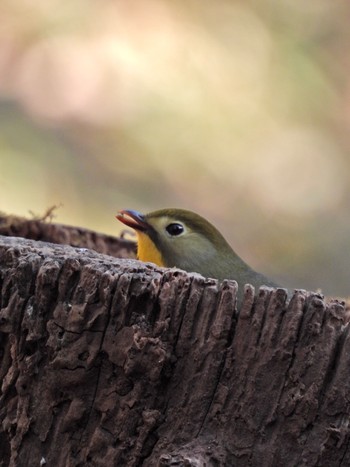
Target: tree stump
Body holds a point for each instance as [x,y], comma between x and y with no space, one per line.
[39,229]
[113,362]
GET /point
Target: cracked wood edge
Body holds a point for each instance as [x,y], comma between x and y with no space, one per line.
[38,229]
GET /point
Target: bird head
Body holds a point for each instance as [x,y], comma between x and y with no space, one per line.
[176,237]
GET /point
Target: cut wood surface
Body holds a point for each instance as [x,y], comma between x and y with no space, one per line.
[113,362]
[39,229]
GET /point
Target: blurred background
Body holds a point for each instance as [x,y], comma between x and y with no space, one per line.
[238,110]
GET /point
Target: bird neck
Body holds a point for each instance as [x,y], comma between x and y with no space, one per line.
[147,250]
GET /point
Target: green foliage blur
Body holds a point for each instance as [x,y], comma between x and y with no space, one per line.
[239,111]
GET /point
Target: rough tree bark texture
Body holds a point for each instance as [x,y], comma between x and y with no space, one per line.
[112,362]
[37,229]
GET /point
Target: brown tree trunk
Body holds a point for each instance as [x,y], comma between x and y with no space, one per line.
[38,229]
[112,362]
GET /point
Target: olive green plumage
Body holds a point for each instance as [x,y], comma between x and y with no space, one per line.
[188,241]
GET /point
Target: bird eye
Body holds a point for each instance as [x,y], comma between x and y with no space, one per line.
[174,229]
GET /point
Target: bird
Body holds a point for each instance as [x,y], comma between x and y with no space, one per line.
[185,240]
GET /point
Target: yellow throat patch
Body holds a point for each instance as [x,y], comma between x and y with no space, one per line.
[147,250]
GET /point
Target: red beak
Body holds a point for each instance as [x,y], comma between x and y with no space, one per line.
[132,219]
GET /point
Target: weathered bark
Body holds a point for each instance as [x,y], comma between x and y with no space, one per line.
[112,362]
[39,229]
